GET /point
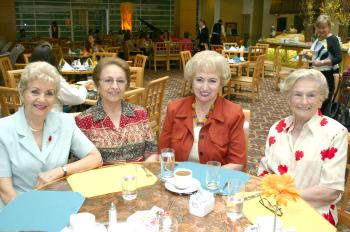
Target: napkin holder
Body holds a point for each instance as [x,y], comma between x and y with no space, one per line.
[201,203]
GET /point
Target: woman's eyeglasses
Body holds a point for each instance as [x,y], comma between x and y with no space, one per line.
[267,204]
[110,82]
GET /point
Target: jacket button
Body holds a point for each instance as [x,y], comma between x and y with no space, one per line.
[201,153]
[201,136]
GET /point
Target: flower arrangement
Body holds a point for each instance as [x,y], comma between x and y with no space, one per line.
[282,189]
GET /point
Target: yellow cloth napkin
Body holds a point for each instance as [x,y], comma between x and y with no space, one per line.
[107,180]
[297,214]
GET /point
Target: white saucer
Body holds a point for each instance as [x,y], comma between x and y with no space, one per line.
[98,228]
[193,187]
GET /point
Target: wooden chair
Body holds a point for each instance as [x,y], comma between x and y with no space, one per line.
[174,53]
[279,74]
[140,61]
[160,53]
[13,77]
[186,86]
[186,46]
[248,86]
[343,212]
[9,100]
[152,102]
[5,65]
[99,55]
[136,76]
[217,48]
[26,57]
[113,50]
[134,96]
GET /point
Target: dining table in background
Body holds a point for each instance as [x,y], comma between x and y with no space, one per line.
[158,195]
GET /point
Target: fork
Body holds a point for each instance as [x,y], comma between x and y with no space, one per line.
[221,191]
[147,173]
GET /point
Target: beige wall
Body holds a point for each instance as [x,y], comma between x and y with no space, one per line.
[207,12]
[185,17]
[231,11]
[8,20]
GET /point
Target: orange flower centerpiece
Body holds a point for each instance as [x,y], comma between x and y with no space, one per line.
[282,189]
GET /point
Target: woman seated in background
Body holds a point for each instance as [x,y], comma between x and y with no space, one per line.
[206,127]
[34,142]
[68,95]
[120,130]
[308,145]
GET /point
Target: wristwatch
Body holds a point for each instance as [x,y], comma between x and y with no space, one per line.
[64,169]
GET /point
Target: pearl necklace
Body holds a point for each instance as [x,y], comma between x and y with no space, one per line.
[35,130]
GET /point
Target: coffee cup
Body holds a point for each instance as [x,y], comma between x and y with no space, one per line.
[182,178]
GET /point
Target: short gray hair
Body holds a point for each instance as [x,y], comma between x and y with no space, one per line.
[39,70]
[323,20]
[311,74]
[208,61]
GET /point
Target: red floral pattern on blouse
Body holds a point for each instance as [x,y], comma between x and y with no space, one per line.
[282,169]
[328,153]
[272,140]
[324,122]
[263,173]
[299,155]
[329,217]
[280,126]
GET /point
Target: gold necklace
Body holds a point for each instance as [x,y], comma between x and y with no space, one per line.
[35,130]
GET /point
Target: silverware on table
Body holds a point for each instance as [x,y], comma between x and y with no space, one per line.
[221,191]
[145,170]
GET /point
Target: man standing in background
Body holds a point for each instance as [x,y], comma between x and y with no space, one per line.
[218,30]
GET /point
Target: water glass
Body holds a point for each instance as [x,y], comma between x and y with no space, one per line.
[235,199]
[167,163]
[129,182]
[212,177]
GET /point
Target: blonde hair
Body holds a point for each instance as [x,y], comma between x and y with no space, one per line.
[42,71]
[323,20]
[208,61]
[310,74]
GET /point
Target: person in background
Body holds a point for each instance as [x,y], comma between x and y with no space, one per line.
[307,145]
[206,127]
[34,142]
[217,32]
[203,35]
[97,37]
[326,56]
[120,130]
[186,43]
[68,95]
[54,30]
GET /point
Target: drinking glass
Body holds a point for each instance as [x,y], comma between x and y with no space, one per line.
[235,199]
[167,162]
[129,182]
[213,175]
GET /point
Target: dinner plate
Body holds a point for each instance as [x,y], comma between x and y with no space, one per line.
[193,187]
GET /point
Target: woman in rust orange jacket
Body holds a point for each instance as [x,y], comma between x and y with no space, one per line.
[206,127]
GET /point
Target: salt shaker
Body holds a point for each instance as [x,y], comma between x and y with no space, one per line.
[112,218]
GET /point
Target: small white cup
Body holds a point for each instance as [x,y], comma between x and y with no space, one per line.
[81,222]
[182,178]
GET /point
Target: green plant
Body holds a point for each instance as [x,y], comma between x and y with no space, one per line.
[308,12]
[338,10]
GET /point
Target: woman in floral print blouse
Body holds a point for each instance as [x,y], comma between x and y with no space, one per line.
[120,130]
[307,145]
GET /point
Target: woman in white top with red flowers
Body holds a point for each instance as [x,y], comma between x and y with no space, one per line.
[307,145]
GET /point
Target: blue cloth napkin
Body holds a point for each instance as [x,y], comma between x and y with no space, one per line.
[40,211]
[199,172]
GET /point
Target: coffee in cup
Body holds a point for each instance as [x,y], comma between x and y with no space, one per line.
[182,178]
